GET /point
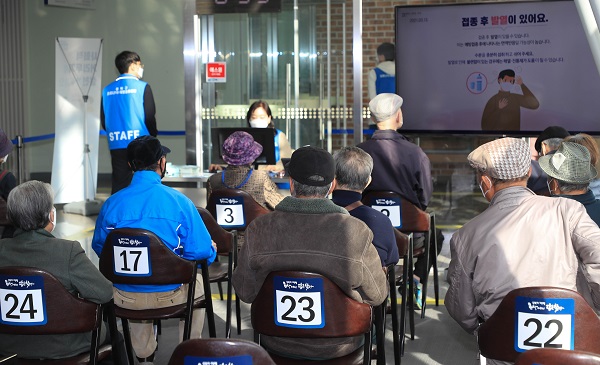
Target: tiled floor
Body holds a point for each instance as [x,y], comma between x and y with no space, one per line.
[439,340]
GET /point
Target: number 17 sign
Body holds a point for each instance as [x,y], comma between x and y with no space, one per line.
[544,322]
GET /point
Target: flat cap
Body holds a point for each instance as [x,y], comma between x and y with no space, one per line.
[504,159]
[384,106]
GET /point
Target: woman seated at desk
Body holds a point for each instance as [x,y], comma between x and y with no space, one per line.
[259,116]
[239,151]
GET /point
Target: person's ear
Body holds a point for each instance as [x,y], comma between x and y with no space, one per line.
[369,181]
[291,186]
[333,185]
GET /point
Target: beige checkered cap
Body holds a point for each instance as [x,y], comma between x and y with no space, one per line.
[384,106]
[504,159]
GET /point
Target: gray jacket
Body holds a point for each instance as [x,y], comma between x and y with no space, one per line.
[318,236]
[521,240]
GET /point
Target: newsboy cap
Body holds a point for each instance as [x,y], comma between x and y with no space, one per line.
[504,159]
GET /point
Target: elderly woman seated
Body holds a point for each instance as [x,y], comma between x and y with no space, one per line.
[239,151]
[30,208]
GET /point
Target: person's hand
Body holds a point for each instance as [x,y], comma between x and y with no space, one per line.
[214,244]
[214,168]
[519,80]
[503,103]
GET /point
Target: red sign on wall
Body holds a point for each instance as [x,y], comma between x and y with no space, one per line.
[216,72]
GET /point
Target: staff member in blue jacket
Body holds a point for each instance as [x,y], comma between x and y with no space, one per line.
[148,204]
[127,111]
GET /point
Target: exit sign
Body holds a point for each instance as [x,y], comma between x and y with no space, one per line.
[216,72]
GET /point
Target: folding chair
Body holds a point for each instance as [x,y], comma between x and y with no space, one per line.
[408,218]
[218,271]
[535,317]
[138,257]
[221,351]
[45,307]
[547,356]
[234,210]
[405,245]
[327,312]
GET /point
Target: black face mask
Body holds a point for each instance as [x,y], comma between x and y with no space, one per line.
[163,171]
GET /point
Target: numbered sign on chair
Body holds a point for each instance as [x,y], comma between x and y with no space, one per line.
[230,212]
[22,300]
[390,207]
[229,360]
[299,302]
[544,322]
[132,256]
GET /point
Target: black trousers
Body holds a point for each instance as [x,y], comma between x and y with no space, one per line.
[121,172]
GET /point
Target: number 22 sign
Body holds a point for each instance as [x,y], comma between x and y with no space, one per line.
[544,322]
[299,302]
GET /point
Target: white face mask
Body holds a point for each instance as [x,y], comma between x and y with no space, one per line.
[487,191]
[259,123]
[5,158]
[53,221]
[140,73]
[506,86]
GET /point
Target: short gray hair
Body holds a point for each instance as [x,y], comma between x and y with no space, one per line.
[566,187]
[353,167]
[29,204]
[553,143]
[309,191]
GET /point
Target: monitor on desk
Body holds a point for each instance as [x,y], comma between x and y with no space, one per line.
[264,136]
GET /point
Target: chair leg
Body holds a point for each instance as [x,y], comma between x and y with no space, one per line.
[238,311]
[220,287]
[436,283]
[424,281]
[410,296]
[396,332]
[127,335]
[380,332]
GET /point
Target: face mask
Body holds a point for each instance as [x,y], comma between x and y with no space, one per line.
[4,159]
[259,123]
[549,188]
[487,191]
[140,73]
[53,221]
[506,86]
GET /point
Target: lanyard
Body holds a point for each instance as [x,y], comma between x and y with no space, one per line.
[240,185]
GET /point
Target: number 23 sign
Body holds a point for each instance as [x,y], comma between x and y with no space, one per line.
[299,302]
[544,322]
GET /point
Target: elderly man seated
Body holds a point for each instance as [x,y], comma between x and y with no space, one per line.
[31,210]
[308,232]
[520,240]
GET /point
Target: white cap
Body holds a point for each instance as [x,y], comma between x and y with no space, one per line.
[384,106]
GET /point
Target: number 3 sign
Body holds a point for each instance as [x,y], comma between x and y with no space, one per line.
[544,322]
[299,302]
[22,300]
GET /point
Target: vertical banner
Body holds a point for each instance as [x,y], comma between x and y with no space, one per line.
[77,118]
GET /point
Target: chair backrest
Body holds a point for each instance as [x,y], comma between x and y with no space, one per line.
[34,302]
[221,350]
[549,356]
[137,256]
[234,208]
[308,305]
[403,214]
[222,237]
[535,317]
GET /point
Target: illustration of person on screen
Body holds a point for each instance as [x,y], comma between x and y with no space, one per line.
[503,111]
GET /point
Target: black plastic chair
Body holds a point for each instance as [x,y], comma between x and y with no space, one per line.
[166,268]
[218,203]
[218,348]
[496,336]
[343,317]
[546,356]
[65,314]
[220,272]
[413,220]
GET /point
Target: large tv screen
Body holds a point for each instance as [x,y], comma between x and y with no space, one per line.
[498,68]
